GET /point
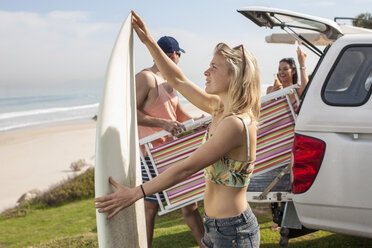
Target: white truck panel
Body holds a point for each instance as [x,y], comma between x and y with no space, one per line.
[340,198]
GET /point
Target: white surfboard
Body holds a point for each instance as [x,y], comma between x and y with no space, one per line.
[117,149]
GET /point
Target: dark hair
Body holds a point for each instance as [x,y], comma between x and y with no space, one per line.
[292,64]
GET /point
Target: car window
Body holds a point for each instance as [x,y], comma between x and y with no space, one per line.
[294,21]
[350,81]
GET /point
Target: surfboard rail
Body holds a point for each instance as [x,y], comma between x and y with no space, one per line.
[117,149]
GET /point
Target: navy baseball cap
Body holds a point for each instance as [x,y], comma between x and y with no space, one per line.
[169,44]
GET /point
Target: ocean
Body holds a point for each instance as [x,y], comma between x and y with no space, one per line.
[25,107]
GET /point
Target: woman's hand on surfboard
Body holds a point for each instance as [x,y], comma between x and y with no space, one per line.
[140,27]
[117,201]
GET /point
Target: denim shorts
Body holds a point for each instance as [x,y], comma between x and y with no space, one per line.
[239,231]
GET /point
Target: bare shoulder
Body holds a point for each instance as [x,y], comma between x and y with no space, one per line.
[145,78]
[232,125]
[235,123]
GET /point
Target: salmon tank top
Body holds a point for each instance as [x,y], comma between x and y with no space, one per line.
[164,107]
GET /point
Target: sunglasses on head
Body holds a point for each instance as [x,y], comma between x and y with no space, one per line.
[244,62]
[179,54]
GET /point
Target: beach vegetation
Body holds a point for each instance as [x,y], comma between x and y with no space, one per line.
[79,187]
[363,20]
[78,165]
[69,190]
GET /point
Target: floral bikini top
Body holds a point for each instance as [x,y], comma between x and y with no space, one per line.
[228,171]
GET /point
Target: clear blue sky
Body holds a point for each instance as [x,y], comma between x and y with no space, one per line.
[54,42]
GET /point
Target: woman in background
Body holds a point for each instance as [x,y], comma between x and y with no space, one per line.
[287,75]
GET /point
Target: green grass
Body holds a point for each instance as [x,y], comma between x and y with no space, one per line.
[44,225]
[65,218]
[171,231]
[74,225]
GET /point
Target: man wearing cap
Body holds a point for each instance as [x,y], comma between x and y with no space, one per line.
[158,108]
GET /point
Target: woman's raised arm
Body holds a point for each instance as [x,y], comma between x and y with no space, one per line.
[171,72]
[303,75]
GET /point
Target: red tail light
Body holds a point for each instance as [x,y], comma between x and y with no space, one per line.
[307,157]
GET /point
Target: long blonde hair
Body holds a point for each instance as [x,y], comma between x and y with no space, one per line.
[244,92]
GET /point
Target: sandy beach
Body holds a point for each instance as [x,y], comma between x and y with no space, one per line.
[41,157]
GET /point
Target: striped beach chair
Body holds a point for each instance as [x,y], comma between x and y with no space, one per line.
[166,155]
[275,135]
[274,144]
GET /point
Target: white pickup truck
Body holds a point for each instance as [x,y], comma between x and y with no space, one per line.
[331,172]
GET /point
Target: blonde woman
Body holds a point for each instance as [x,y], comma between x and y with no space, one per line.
[227,155]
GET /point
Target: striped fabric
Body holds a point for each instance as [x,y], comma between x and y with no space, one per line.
[146,178]
[173,152]
[275,135]
[274,142]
